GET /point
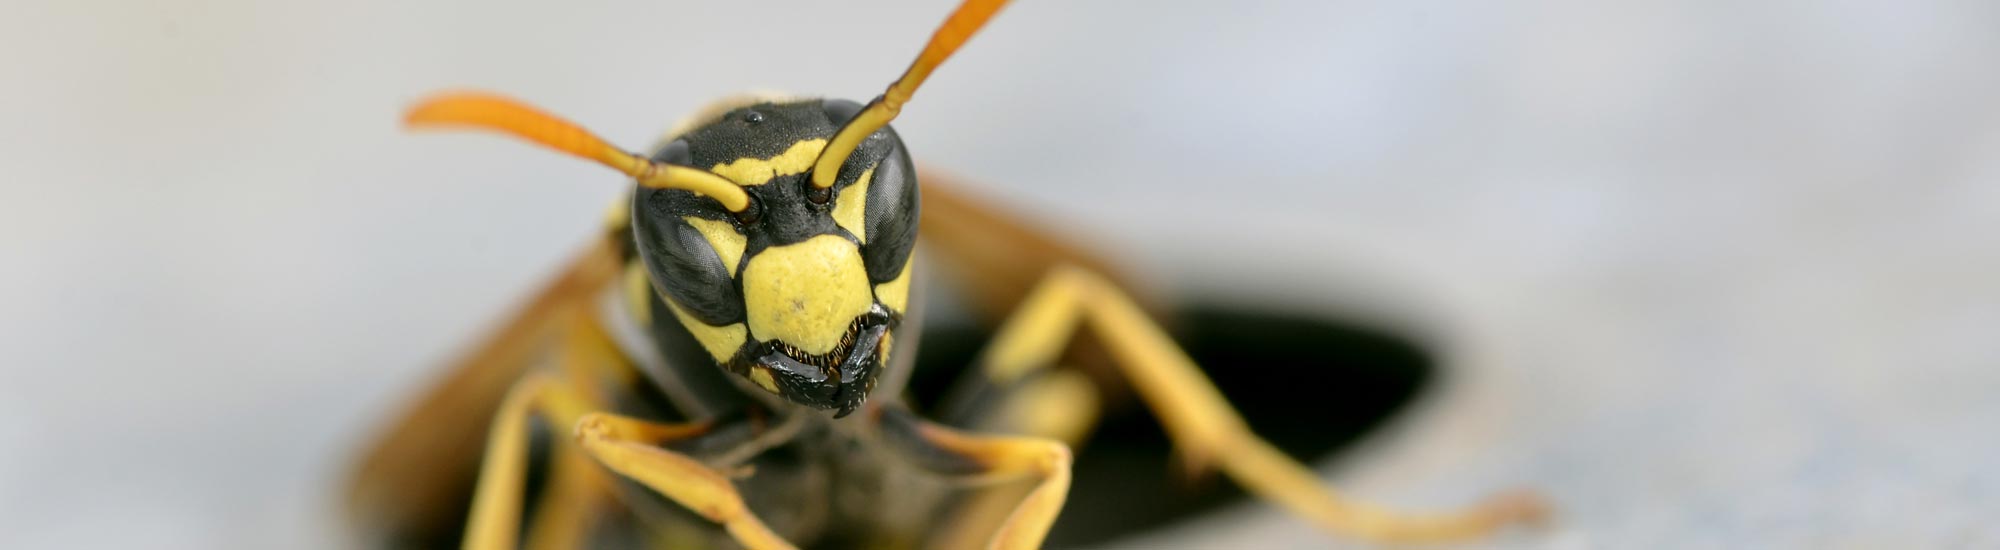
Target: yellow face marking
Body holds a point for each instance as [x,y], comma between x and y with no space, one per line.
[639,293]
[895,294]
[806,294]
[721,342]
[754,171]
[762,376]
[722,236]
[852,204]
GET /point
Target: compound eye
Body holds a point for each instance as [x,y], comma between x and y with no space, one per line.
[692,261]
[890,214]
[691,247]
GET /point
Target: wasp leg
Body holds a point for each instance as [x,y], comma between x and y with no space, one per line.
[1061,405]
[576,486]
[986,460]
[578,489]
[415,476]
[631,448]
[496,502]
[573,500]
[1201,422]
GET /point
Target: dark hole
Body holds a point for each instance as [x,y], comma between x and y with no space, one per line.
[1309,384]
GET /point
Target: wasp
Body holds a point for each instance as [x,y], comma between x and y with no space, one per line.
[725,363]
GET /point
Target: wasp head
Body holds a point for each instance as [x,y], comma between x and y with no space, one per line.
[801,291]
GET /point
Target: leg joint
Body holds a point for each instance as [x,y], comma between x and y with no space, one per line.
[1055,457]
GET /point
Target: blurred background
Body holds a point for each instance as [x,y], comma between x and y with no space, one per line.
[1711,274]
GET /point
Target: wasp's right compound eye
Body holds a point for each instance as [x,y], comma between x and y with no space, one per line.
[693,261]
[692,247]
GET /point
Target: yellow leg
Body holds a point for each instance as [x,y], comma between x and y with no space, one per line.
[1058,405]
[414,478]
[626,446]
[496,503]
[570,506]
[1201,422]
[576,486]
[991,460]
[631,448]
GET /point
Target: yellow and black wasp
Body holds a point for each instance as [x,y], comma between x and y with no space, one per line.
[747,387]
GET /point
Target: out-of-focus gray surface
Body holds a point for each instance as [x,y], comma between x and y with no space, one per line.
[1712,274]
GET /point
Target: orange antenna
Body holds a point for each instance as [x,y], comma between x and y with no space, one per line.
[967,20]
[507,116]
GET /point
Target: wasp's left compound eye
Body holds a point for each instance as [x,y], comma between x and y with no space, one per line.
[880,169]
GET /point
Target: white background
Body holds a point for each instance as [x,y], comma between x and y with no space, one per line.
[1714,274]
